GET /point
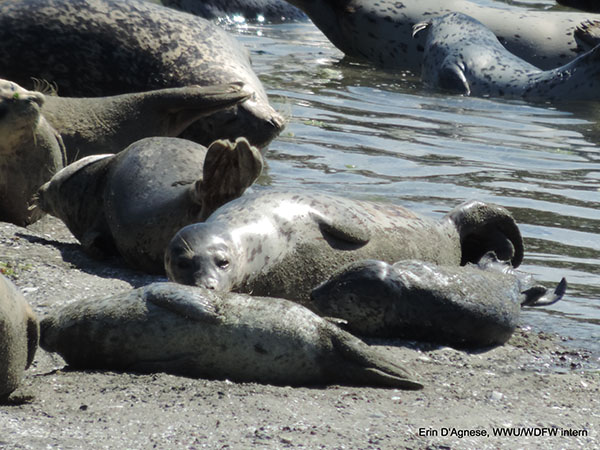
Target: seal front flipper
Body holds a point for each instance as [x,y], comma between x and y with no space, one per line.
[190,302]
[452,77]
[344,231]
[229,169]
[539,295]
[363,365]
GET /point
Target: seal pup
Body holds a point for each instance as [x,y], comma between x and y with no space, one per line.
[30,152]
[463,55]
[381,31]
[92,48]
[196,332]
[132,203]
[269,11]
[283,244]
[99,125]
[19,336]
[471,306]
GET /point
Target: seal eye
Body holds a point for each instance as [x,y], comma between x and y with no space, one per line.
[222,263]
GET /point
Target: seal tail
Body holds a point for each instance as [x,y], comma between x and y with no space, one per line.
[365,366]
[486,227]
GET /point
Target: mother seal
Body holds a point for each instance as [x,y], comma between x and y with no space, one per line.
[19,334]
[472,306]
[381,31]
[200,333]
[463,55]
[91,48]
[283,244]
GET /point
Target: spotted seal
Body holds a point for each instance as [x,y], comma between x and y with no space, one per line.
[381,31]
[472,306]
[463,55]
[270,11]
[196,332]
[132,203]
[19,332]
[284,243]
[30,152]
[91,48]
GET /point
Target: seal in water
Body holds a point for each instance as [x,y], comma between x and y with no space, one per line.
[283,244]
[91,48]
[30,152]
[196,332]
[381,31]
[19,332]
[270,11]
[472,306]
[132,203]
[463,55]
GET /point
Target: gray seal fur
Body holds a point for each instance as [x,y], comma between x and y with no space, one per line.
[282,244]
[92,48]
[31,151]
[270,11]
[472,306]
[195,332]
[381,31]
[134,202]
[19,335]
[463,55]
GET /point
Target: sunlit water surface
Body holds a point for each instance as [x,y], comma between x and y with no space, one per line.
[370,134]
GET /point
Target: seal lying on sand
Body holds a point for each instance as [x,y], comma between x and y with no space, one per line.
[200,333]
[381,31]
[19,332]
[91,48]
[463,55]
[30,152]
[133,202]
[283,244]
[271,11]
[471,306]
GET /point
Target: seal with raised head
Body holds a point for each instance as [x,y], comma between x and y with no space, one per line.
[269,11]
[132,203]
[30,152]
[196,332]
[19,335]
[283,244]
[463,55]
[91,48]
[471,306]
[381,31]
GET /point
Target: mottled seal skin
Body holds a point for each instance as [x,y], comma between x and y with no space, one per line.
[134,202]
[463,55]
[31,151]
[470,306]
[381,31]
[99,125]
[195,332]
[283,244]
[270,11]
[91,48]
[19,336]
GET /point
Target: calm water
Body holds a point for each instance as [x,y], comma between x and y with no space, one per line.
[379,135]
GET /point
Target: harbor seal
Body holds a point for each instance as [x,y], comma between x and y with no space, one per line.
[463,55]
[132,203]
[471,306]
[19,335]
[30,152]
[283,244]
[381,31]
[92,48]
[196,332]
[269,11]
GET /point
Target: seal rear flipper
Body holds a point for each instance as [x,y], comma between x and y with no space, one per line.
[229,169]
[344,230]
[539,295]
[363,365]
[190,302]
